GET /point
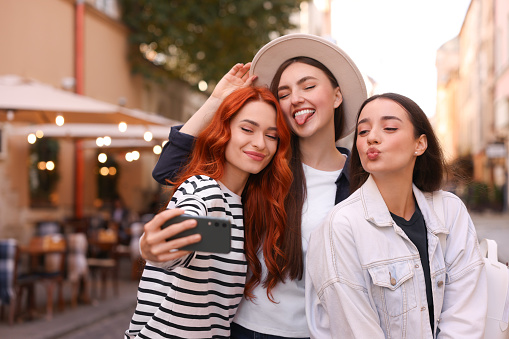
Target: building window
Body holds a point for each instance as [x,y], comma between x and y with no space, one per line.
[44,173]
[107,176]
[108,7]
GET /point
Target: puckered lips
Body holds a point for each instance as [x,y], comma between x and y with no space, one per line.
[303,115]
[255,155]
[372,153]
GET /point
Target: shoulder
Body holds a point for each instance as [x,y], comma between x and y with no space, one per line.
[199,185]
[198,192]
[451,202]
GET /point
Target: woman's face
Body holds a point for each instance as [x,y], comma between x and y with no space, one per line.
[386,142]
[308,99]
[253,140]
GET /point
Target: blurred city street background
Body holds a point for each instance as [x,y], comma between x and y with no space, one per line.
[90,88]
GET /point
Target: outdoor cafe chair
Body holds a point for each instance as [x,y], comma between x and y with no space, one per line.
[13,284]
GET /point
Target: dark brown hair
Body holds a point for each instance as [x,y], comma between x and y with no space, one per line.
[430,167]
[292,247]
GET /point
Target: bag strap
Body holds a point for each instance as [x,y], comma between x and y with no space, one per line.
[438,206]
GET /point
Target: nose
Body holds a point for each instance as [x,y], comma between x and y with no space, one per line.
[373,138]
[258,141]
[296,98]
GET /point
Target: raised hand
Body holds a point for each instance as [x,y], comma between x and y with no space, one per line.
[237,77]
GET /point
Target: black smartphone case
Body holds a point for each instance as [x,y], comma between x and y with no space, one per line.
[215,233]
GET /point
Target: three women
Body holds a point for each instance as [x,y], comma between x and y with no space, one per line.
[320,91]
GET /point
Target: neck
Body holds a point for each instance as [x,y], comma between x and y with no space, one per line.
[398,195]
[234,180]
[319,151]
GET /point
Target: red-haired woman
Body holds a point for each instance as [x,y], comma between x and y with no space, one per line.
[238,170]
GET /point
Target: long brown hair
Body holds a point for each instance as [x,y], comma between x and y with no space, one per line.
[430,167]
[265,192]
[293,239]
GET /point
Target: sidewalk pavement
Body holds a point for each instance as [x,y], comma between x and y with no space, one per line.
[106,318]
[64,323]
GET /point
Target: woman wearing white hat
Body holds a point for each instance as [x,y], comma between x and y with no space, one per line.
[320,91]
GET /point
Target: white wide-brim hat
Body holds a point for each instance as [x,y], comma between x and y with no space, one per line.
[272,55]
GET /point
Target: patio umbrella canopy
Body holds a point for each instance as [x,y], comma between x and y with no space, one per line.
[24,100]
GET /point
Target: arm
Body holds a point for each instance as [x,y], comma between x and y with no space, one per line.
[181,140]
[335,288]
[174,155]
[465,297]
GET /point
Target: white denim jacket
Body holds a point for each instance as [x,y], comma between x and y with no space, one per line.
[365,280]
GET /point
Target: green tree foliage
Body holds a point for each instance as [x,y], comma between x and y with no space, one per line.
[195,40]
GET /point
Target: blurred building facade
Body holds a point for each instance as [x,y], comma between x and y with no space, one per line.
[81,46]
[41,43]
[472,116]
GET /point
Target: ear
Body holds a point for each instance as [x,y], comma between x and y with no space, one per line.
[338,97]
[421,145]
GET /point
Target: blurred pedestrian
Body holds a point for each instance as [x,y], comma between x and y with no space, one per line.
[383,271]
[238,170]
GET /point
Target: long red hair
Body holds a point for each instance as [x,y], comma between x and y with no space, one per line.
[265,192]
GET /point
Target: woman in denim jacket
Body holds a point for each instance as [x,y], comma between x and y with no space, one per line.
[383,272]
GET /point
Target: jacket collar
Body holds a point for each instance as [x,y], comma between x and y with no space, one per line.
[376,211]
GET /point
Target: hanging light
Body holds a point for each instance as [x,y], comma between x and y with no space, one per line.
[129,156]
[157,149]
[39,134]
[104,171]
[99,142]
[147,136]
[31,138]
[107,141]
[122,127]
[136,155]
[50,165]
[102,157]
[59,120]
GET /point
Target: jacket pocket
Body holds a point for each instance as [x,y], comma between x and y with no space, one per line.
[393,287]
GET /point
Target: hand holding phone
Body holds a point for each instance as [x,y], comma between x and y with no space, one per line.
[215,233]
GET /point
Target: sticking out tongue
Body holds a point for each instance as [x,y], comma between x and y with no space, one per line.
[300,119]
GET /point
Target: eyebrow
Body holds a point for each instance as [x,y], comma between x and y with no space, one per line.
[257,124]
[385,117]
[304,79]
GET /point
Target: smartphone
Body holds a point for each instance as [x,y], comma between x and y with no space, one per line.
[215,233]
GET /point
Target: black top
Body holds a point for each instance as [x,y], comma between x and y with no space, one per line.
[176,153]
[415,229]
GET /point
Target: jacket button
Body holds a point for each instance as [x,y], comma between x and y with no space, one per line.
[393,281]
[440,283]
[416,266]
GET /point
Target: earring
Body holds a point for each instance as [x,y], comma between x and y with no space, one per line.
[415,152]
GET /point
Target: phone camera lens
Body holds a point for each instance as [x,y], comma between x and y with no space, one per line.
[217,224]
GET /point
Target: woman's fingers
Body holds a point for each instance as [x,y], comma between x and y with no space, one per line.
[175,245]
[153,243]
